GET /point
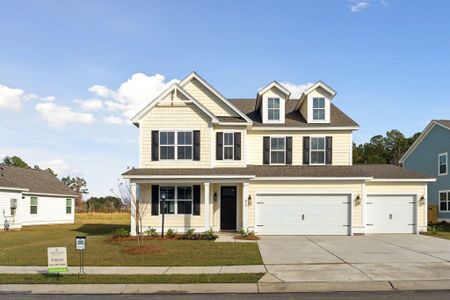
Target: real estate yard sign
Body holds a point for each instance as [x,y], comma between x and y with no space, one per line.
[57,259]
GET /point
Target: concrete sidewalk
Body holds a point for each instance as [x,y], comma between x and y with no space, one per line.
[140,270]
[234,288]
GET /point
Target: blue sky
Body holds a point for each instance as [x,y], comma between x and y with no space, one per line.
[71,72]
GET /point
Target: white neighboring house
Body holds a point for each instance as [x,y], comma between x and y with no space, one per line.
[32,197]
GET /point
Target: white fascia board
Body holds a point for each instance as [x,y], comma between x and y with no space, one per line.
[313,178]
[234,124]
[278,86]
[305,128]
[404,180]
[174,86]
[321,84]
[215,92]
[49,194]
[188,176]
[8,188]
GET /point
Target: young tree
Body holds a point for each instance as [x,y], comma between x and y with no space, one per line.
[138,207]
[79,185]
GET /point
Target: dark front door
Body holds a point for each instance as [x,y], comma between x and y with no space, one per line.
[228,208]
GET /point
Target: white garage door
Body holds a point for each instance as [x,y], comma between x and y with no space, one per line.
[390,214]
[303,214]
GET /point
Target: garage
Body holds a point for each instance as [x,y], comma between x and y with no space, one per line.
[301,214]
[390,214]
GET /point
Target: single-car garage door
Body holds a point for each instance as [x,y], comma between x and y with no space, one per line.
[303,214]
[390,214]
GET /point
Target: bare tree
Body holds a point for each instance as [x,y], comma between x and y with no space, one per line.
[138,207]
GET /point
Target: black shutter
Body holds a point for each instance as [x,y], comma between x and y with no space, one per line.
[219,145]
[329,153]
[155,145]
[306,150]
[196,145]
[155,200]
[266,150]
[196,194]
[237,146]
[289,150]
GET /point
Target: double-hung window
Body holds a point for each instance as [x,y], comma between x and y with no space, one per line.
[33,205]
[178,199]
[68,206]
[317,151]
[444,201]
[175,144]
[228,145]
[277,150]
[319,109]
[443,164]
[273,109]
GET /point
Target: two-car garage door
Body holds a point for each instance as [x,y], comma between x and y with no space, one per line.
[300,214]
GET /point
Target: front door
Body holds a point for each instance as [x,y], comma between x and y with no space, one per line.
[228,208]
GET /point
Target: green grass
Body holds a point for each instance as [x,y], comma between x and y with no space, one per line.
[126,279]
[28,247]
[444,233]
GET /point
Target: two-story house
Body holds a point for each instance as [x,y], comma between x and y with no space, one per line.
[272,164]
[429,155]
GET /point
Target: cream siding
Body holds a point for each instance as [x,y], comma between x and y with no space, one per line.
[215,105]
[230,163]
[341,141]
[188,117]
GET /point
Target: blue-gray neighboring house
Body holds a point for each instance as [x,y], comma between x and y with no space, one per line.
[429,155]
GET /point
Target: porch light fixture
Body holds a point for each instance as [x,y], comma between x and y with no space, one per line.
[249,200]
[422,200]
[357,200]
[215,197]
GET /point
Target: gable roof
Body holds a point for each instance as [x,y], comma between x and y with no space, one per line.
[32,181]
[293,117]
[443,123]
[267,88]
[177,88]
[194,75]
[318,84]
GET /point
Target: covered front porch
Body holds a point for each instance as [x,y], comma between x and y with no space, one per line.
[192,203]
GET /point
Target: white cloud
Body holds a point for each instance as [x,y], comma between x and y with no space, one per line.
[114,120]
[296,89]
[90,105]
[357,5]
[61,167]
[10,99]
[59,116]
[133,94]
[36,97]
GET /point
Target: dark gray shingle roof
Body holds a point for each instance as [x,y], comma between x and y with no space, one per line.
[445,123]
[358,171]
[36,181]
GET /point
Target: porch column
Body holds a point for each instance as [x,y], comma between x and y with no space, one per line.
[245,205]
[134,199]
[207,204]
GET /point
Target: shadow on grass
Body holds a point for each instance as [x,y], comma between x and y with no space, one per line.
[99,229]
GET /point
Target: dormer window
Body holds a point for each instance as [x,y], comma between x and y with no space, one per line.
[318,109]
[273,109]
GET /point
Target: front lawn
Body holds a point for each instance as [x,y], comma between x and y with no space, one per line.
[126,279]
[28,247]
[442,230]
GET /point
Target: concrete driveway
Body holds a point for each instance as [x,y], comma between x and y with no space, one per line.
[355,258]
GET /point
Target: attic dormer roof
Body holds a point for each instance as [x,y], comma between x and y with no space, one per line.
[275,84]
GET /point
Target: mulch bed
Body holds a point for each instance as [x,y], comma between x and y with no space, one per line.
[247,238]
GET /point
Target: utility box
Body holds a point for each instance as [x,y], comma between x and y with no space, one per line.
[432,214]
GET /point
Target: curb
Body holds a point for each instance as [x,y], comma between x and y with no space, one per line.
[223,288]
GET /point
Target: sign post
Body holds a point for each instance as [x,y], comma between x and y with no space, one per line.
[80,245]
[57,260]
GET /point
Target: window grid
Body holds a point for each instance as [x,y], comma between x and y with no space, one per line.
[444,201]
[228,145]
[68,206]
[319,109]
[277,150]
[179,200]
[273,109]
[317,151]
[33,205]
[442,164]
[176,145]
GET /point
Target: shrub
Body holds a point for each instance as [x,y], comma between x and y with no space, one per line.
[151,232]
[434,229]
[170,233]
[121,232]
[190,232]
[246,233]
[208,235]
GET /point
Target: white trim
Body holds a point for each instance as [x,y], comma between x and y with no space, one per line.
[350,152]
[245,194]
[207,201]
[277,150]
[305,128]
[419,140]
[404,180]
[318,84]
[188,176]
[363,203]
[215,92]
[448,201]
[278,86]
[49,194]
[425,213]
[324,108]
[312,178]
[228,146]
[445,154]
[269,120]
[175,199]
[13,189]
[324,150]
[175,145]
[173,87]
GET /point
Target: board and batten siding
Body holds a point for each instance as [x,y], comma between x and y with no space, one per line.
[208,99]
[179,117]
[424,159]
[341,145]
